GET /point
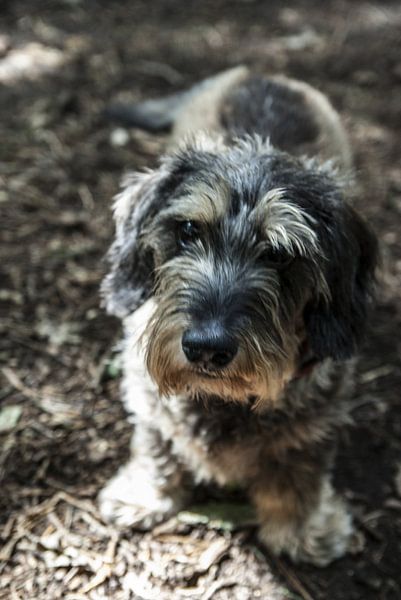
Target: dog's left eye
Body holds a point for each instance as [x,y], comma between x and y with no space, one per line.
[276,258]
[188,232]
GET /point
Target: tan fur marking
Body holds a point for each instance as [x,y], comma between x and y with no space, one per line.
[316,532]
[202,111]
[205,203]
[281,506]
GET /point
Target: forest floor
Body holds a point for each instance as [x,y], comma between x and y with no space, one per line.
[63,431]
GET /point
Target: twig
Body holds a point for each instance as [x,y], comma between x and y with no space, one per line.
[292,579]
[374,374]
[16,382]
[218,585]
[369,530]
[40,348]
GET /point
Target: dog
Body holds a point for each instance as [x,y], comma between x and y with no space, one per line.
[244,279]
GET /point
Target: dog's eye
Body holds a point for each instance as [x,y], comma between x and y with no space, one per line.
[187,232]
[275,258]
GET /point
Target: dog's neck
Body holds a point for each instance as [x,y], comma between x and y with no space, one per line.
[306,367]
[307,361]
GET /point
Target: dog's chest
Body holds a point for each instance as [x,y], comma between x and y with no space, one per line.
[219,441]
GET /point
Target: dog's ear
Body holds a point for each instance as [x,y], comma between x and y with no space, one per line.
[336,324]
[130,280]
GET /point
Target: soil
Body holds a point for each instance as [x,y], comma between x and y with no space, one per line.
[63,431]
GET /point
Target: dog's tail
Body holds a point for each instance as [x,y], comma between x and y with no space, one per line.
[150,115]
[197,106]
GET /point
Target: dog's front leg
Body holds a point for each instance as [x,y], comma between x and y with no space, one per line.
[148,489]
[300,514]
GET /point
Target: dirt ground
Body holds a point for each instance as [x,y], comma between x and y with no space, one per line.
[62,429]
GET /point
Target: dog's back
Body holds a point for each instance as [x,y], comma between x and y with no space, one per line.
[293,115]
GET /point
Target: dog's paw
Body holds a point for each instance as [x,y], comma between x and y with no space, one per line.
[326,535]
[131,499]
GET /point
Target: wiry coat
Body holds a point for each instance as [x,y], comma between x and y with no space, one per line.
[253,242]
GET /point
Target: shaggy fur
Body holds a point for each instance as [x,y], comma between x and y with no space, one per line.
[243,277]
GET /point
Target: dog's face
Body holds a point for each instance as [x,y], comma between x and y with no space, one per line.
[250,255]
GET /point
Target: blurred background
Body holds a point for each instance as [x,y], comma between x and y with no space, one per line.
[63,431]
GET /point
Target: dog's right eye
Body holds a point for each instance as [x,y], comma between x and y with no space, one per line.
[276,259]
[187,232]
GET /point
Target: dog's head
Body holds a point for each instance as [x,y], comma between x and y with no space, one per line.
[250,255]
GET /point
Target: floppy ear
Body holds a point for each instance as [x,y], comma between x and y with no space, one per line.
[130,280]
[336,325]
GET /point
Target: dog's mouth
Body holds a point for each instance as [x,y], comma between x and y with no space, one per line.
[208,374]
[223,376]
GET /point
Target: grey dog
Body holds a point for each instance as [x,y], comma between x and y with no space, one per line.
[243,277]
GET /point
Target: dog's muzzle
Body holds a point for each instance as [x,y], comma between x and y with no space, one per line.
[209,345]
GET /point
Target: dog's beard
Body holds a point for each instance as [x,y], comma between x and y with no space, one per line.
[253,375]
[237,387]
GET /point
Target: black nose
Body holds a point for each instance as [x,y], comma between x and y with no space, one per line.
[210,345]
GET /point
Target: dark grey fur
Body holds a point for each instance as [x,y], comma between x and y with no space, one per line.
[270,109]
